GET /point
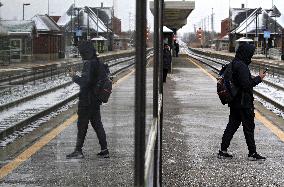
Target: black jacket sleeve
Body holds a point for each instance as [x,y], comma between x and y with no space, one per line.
[245,79]
[87,77]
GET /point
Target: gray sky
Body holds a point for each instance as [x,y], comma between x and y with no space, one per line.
[12,9]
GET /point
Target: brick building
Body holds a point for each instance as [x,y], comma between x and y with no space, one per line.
[48,39]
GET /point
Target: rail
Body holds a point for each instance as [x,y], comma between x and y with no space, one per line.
[257,93]
[6,131]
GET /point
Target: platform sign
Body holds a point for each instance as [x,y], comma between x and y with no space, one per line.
[78,32]
[266,34]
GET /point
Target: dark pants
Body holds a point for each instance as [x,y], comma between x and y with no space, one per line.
[165,73]
[82,124]
[238,116]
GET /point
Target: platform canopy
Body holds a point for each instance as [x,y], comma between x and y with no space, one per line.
[175,13]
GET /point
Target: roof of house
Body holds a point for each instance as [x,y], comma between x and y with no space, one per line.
[17,27]
[45,23]
[264,22]
[86,14]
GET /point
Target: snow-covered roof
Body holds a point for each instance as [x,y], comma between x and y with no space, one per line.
[280,20]
[96,22]
[45,23]
[264,22]
[244,39]
[86,14]
[238,15]
[166,29]
[18,27]
[100,38]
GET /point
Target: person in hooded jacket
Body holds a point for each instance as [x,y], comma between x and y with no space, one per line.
[242,107]
[167,61]
[89,105]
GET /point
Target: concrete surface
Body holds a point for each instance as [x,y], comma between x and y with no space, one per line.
[194,121]
[193,128]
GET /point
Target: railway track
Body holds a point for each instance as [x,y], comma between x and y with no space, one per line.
[216,65]
[18,114]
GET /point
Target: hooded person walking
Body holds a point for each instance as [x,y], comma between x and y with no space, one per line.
[242,107]
[89,105]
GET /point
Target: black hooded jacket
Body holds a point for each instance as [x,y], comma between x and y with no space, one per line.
[242,77]
[88,78]
[167,59]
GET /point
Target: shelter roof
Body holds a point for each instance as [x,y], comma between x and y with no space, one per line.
[175,13]
[45,23]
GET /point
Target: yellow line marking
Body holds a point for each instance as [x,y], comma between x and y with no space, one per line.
[273,128]
[8,168]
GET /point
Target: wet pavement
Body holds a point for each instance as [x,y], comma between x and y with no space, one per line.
[193,128]
[49,166]
[194,121]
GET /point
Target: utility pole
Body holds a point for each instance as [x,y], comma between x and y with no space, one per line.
[212,21]
[129,21]
[48,7]
[25,4]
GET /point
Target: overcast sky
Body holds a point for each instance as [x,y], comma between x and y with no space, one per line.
[12,9]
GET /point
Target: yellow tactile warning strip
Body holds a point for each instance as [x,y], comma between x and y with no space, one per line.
[273,128]
[8,168]
[278,132]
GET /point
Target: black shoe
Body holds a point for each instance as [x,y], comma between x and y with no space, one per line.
[104,153]
[255,156]
[75,155]
[224,154]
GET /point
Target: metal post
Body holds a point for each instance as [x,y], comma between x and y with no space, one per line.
[88,26]
[161,89]
[98,22]
[275,32]
[157,51]
[256,27]
[246,19]
[25,4]
[140,92]
[48,7]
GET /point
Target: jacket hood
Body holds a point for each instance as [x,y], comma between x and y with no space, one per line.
[87,50]
[245,52]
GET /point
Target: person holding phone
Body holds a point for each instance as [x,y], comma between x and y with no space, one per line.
[242,107]
[89,105]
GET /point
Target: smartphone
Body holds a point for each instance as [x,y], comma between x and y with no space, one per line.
[266,69]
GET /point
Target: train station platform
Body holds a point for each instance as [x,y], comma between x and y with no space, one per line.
[194,121]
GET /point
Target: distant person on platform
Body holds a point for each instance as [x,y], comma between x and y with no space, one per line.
[242,107]
[167,61]
[176,45]
[89,105]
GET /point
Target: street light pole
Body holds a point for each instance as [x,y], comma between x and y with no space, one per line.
[25,4]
